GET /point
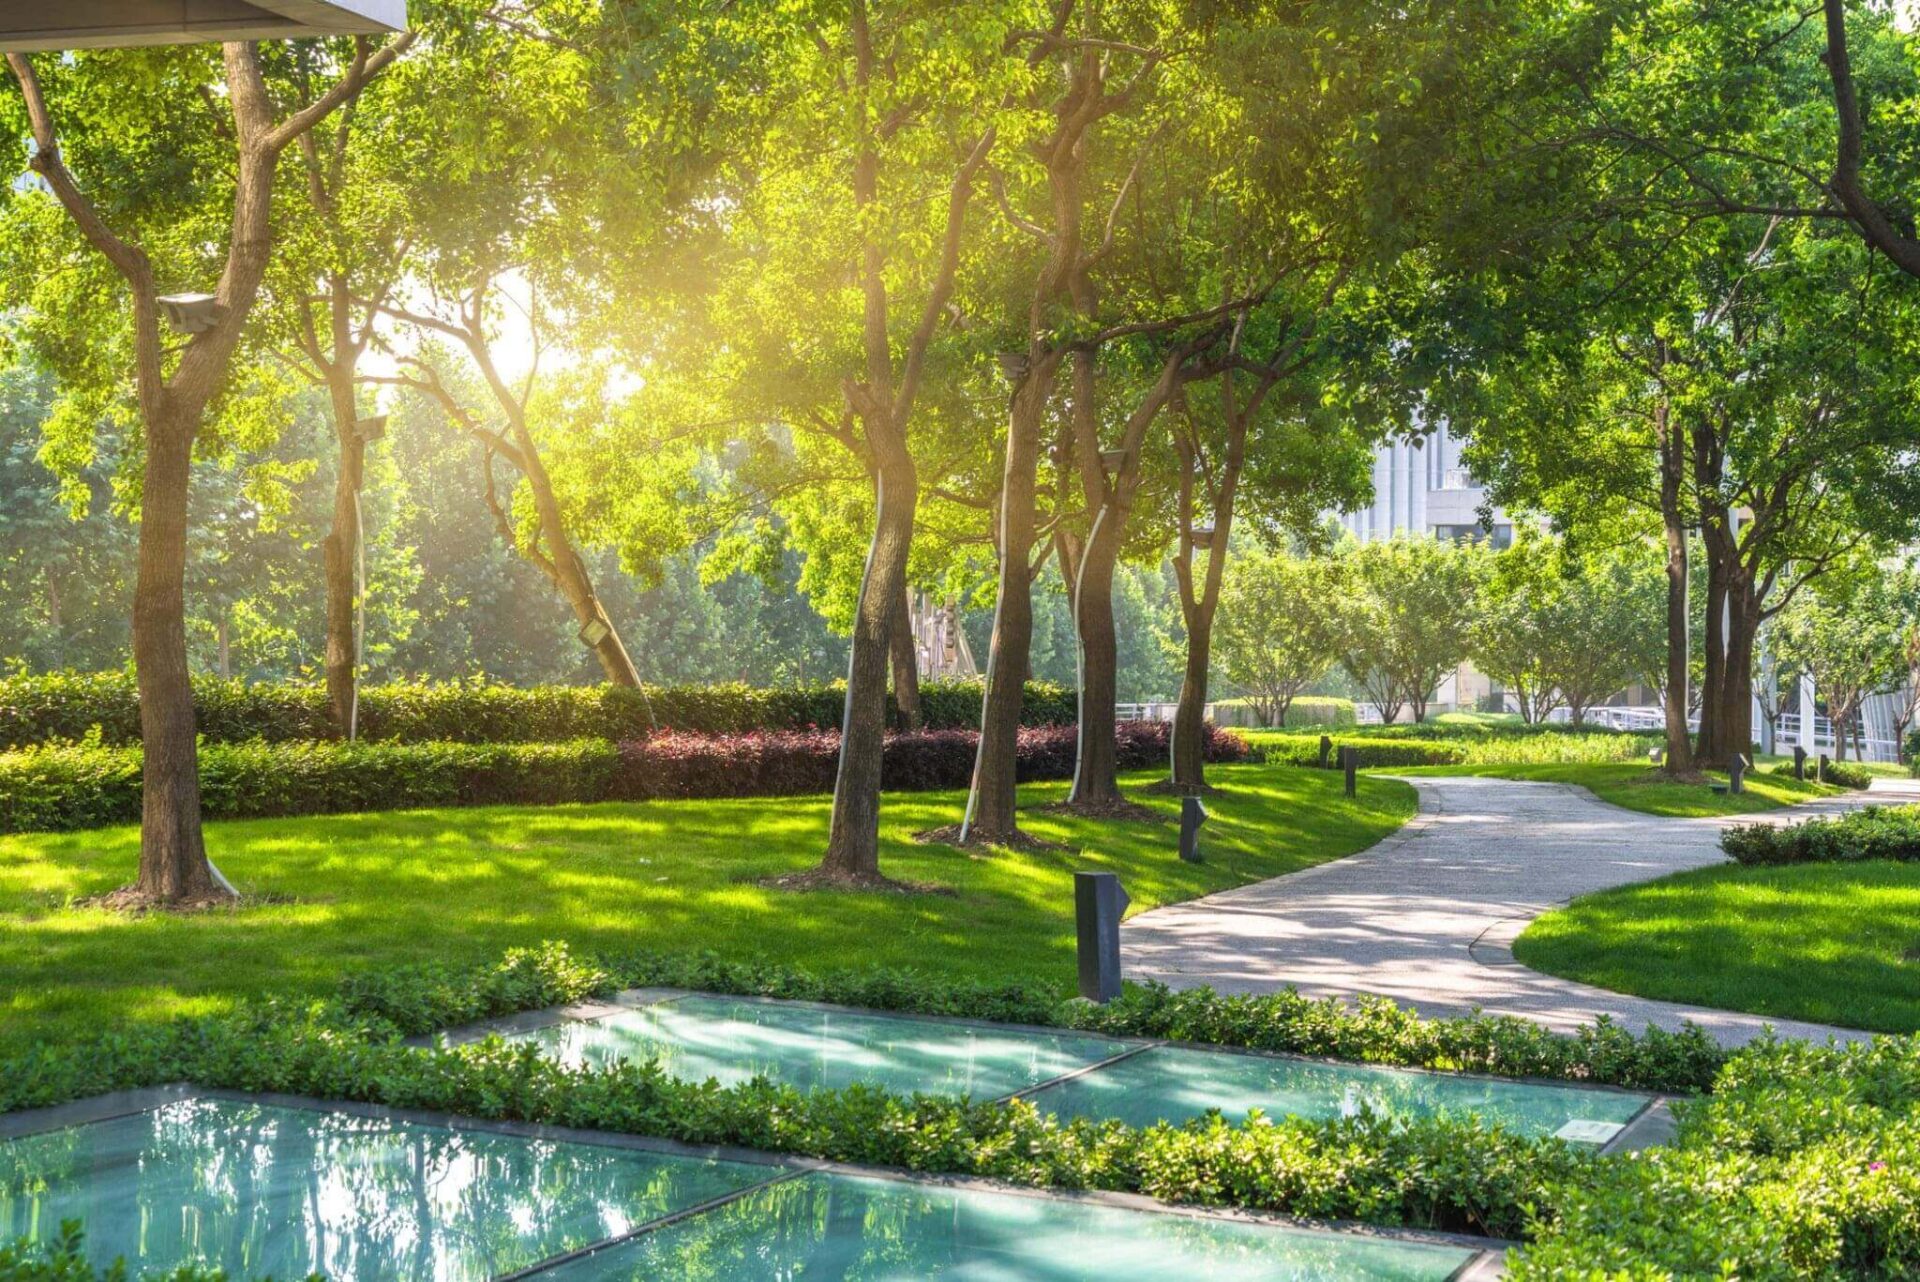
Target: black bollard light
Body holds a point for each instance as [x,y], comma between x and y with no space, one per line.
[1799,762]
[1192,815]
[1737,773]
[1349,762]
[1326,747]
[1098,903]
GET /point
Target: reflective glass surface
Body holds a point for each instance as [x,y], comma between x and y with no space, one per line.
[1175,1083]
[696,1038]
[871,1230]
[262,1190]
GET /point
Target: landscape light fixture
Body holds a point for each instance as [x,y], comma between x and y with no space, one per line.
[99,24]
[370,430]
[595,631]
[191,313]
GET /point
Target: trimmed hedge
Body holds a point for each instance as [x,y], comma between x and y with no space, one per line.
[65,787]
[1533,745]
[66,706]
[1874,832]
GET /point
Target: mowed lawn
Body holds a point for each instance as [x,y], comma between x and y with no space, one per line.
[343,892]
[1833,943]
[1636,786]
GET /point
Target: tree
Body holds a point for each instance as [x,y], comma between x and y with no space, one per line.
[1557,628]
[171,392]
[1846,632]
[1279,627]
[1411,602]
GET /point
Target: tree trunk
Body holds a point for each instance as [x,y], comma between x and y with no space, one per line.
[853,841]
[1096,780]
[340,551]
[907,712]
[173,856]
[1679,754]
[991,811]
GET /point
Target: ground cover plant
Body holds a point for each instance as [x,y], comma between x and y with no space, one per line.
[1827,942]
[329,893]
[59,787]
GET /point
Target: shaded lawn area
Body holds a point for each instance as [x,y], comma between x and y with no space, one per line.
[1636,786]
[1821,942]
[352,892]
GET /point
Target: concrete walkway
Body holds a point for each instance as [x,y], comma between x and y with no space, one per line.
[1427,917]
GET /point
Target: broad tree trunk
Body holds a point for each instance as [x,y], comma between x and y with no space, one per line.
[853,842]
[340,551]
[173,857]
[992,815]
[1679,754]
[907,712]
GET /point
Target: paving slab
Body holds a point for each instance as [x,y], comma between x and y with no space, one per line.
[1427,917]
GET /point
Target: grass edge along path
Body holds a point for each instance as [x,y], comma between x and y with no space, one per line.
[1826,942]
[1637,786]
[334,893]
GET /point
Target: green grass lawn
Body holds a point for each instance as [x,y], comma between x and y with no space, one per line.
[1635,786]
[358,891]
[1823,942]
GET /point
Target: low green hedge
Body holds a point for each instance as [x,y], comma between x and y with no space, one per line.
[1803,1163]
[1874,832]
[1384,746]
[66,706]
[64,787]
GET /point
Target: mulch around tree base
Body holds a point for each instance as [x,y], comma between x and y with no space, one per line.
[822,879]
[1121,809]
[949,835]
[135,901]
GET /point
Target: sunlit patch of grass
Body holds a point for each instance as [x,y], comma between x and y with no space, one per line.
[1820,942]
[1636,786]
[461,885]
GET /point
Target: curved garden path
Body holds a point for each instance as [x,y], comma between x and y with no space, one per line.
[1427,916]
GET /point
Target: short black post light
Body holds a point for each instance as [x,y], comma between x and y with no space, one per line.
[1825,762]
[1737,773]
[1192,815]
[190,313]
[1350,763]
[1098,903]
[1326,749]
[1799,762]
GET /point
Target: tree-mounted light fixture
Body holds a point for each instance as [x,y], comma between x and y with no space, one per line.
[191,313]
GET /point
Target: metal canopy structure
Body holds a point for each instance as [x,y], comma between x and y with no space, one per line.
[27,25]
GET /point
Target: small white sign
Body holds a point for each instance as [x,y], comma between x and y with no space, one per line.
[1581,1131]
